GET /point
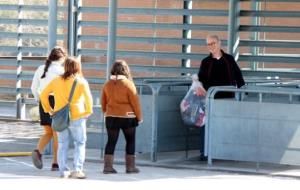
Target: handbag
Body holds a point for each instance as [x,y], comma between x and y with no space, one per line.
[61,118]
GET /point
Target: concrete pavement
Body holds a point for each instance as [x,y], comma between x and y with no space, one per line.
[19,173]
[18,136]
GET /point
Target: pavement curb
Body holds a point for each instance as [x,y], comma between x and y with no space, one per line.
[14,154]
[204,168]
[13,119]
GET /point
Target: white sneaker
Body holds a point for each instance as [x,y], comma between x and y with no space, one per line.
[65,174]
[78,175]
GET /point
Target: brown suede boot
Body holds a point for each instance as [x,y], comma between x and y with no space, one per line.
[130,164]
[108,164]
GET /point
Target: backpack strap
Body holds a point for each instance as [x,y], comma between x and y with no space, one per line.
[72,90]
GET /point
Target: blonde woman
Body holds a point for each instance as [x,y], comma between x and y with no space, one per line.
[80,109]
[122,110]
[52,68]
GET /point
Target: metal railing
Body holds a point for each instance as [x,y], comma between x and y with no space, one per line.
[259,129]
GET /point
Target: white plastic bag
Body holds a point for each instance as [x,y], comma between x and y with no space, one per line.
[34,113]
[192,107]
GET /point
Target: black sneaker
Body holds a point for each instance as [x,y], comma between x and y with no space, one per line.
[37,159]
[55,167]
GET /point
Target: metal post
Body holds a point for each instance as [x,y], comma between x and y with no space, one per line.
[255,35]
[207,148]
[155,90]
[78,17]
[187,34]
[20,112]
[52,24]
[71,27]
[52,38]
[258,151]
[154,36]
[112,27]
[233,27]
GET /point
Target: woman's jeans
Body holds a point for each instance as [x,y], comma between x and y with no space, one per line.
[77,129]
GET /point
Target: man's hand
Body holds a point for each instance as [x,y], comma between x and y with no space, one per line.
[200,91]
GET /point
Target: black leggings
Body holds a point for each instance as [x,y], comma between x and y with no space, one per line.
[113,135]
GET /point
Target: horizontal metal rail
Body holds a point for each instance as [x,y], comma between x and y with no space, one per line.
[144,54]
[15,35]
[8,74]
[149,11]
[281,14]
[150,40]
[288,58]
[252,89]
[271,43]
[279,1]
[137,68]
[44,8]
[7,90]
[32,22]
[15,49]
[281,74]
[134,25]
[284,29]
[7,62]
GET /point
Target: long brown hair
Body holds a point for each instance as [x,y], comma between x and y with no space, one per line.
[120,67]
[55,54]
[72,67]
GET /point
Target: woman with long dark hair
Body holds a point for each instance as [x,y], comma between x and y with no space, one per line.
[52,68]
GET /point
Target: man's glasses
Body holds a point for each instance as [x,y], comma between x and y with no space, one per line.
[211,44]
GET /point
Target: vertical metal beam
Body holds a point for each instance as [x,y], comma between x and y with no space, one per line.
[207,142]
[78,17]
[155,87]
[187,34]
[233,27]
[154,35]
[255,35]
[20,112]
[112,27]
[52,24]
[71,27]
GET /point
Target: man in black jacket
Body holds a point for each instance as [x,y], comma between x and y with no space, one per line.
[217,69]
